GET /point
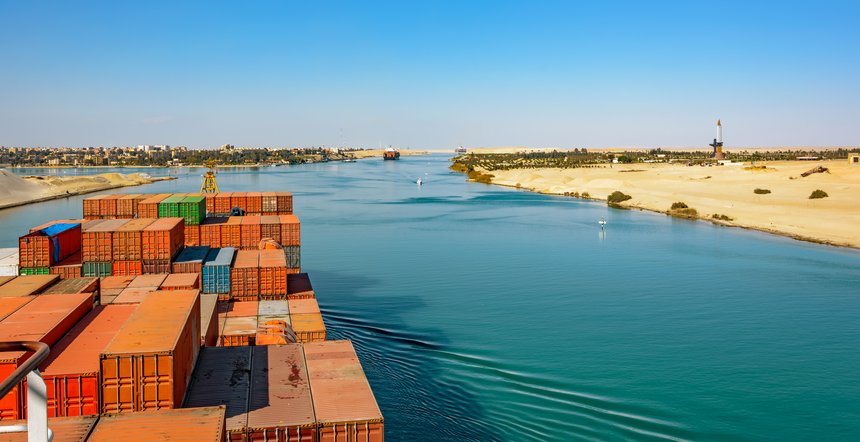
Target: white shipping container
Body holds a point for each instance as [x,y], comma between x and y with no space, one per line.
[9,262]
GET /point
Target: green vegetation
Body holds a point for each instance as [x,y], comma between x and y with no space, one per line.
[678,205]
[761,191]
[586,195]
[617,197]
[480,177]
[818,194]
[722,217]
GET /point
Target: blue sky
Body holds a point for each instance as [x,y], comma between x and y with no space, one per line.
[429,74]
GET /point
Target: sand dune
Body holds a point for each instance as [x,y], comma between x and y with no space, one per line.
[723,190]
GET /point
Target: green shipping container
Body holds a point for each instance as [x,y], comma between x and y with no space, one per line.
[169,207]
[36,271]
[96,269]
[193,209]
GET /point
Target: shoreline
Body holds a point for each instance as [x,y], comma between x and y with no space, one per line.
[67,194]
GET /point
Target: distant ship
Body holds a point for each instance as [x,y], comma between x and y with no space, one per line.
[391,154]
[460,150]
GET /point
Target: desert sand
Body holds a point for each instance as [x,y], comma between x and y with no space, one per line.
[16,190]
[359,154]
[723,190]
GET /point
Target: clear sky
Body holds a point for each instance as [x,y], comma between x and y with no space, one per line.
[429,74]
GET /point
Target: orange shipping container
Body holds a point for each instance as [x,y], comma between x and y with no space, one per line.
[240,309]
[127,268]
[27,285]
[148,281]
[210,202]
[181,281]
[126,205]
[11,305]
[270,227]
[290,230]
[97,240]
[128,240]
[156,266]
[231,232]
[46,319]
[132,296]
[280,405]
[66,429]
[245,275]
[270,203]
[251,232]
[69,267]
[308,327]
[148,364]
[107,206]
[116,282]
[223,203]
[163,238]
[238,199]
[285,203]
[239,331]
[74,285]
[71,372]
[254,202]
[181,425]
[210,232]
[208,320]
[343,401]
[148,208]
[273,274]
[92,207]
[192,236]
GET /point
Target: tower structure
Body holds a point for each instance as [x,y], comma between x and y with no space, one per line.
[209,183]
[718,153]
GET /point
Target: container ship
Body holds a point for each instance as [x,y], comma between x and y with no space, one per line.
[460,150]
[215,307]
[391,153]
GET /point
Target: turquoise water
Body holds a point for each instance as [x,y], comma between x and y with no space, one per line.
[485,313]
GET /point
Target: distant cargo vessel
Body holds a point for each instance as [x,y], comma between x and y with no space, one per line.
[391,154]
[460,150]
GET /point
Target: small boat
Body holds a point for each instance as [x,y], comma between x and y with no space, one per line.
[391,154]
[349,160]
[419,182]
[602,223]
[460,150]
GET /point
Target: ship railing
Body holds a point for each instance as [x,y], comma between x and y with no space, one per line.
[37,393]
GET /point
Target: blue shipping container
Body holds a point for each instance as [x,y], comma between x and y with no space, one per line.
[216,270]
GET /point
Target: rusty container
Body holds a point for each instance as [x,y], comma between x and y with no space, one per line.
[163,239]
[49,246]
[71,372]
[92,207]
[251,234]
[273,274]
[210,231]
[280,403]
[108,205]
[155,266]
[238,331]
[192,235]
[208,320]
[148,364]
[285,203]
[190,260]
[65,429]
[74,285]
[223,203]
[254,202]
[45,319]
[299,286]
[238,199]
[181,281]
[270,203]
[69,267]
[127,268]
[231,232]
[223,377]
[97,240]
[27,285]
[270,227]
[290,230]
[132,296]
[148,208]
[245,275]
[344,404]
[126,205]
[127,241]
[180,425]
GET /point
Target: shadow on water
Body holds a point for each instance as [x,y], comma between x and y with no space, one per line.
[400,362]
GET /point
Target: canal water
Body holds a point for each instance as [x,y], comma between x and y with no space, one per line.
[487,313]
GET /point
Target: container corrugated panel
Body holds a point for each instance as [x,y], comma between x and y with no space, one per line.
[180,425]
[11,305]
[344,404]
[46,319]
[163,239]
[66,429]
[270,227]
[222,202]
[148,208]
[299,286]
[231,232]
[270,202]
[156,266]
[148,281]
[34,271]
[50,245]
[208,320]
[98,269]
[309,327]
[290,230]
[239,309]
[210,231]
[294,257]
[69,267]
[126,205]
[169,207]
[127,268]
[116,282]
[238,199]
[285,203]
[223,377]
[92,207]
[74,285]
[254,202]
[245,274]
[133,296]
[281,407]
[193,209]
[128,240]
[181,281]
[97,241]
[71,372]
[210,202]
[304,306]
[192,235]
[148,364]
[27,285]
[216,271]
[107,296]
[239,331]
[273,274]
[250,232]
[107,206]
[190,260]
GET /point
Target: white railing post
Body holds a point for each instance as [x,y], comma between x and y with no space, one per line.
[37,408]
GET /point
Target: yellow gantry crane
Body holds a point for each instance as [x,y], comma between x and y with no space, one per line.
[209,183]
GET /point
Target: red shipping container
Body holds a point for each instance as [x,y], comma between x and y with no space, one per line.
[107,206]
[251,234]
[254,202]
[71,372]
[239,199]
[148,208]
[128,239]
[231,232]
[163,239]
[210,231]
[43,249]
[46,319]
[245,275]
[149,363]
[11,305]
[154,266]
[192,236]
[223,202]
[57,221]
[290,230]
[69,267]
[97,240]
[270,227]
[273,274]
[127,268]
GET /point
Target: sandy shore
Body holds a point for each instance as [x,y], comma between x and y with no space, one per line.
[17,191]
[723,190]
[359,154]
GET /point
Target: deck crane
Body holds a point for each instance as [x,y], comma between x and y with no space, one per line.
[210,185]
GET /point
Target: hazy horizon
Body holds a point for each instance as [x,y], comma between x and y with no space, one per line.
[429,75]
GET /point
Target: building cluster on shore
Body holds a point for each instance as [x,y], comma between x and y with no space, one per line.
[164,312]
